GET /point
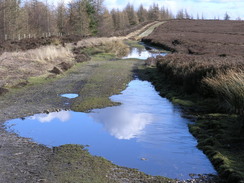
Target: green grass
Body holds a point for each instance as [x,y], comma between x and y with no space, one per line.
[73,163]
[107,79]
[103,57]
[134,44]
[183,102]
[218,137]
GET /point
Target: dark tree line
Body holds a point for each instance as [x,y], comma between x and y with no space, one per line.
[83,17]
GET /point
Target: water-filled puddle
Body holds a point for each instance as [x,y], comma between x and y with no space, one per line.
[69,95]
[145,132]
[143,54]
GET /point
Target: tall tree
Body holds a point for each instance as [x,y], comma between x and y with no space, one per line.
[142,14]
[226,16]
[180,14]
[106,25]
[132,16]
[153,12]
[61,17]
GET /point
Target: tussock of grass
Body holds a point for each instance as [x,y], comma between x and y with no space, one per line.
[108,45]
[229,87]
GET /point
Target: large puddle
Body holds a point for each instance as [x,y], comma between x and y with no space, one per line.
[145,132]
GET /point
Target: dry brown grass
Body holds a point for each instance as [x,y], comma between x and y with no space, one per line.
[112,45]
[189,70]
[19,66]
[229,87]
[44,54]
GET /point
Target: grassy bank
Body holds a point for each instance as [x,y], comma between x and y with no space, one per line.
[218,132]
[73,163]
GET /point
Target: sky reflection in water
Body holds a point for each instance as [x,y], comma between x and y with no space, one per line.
[144,126]
[142,54]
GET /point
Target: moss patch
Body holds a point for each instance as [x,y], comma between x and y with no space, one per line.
[107,79]
[183,102]
[73,163]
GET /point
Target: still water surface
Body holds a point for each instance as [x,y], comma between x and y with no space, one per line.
[142,53]
[146,132]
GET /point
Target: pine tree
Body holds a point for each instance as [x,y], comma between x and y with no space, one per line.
[61,18]
[226,17]
[106,26]
[132,16]
[142,14]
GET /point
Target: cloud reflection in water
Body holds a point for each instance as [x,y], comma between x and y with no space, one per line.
[63,116]
[121,123]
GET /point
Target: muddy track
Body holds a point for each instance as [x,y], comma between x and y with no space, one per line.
[25,161]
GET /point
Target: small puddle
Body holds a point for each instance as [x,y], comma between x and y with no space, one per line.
[146,132]
[69,95]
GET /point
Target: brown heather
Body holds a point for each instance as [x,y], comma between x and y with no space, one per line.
[189,70]
[208,58]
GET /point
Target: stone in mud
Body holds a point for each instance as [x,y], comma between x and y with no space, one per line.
[56,70]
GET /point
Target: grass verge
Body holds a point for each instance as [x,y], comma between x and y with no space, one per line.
[73,163]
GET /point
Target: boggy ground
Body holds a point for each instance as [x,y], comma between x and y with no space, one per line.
[205,50]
